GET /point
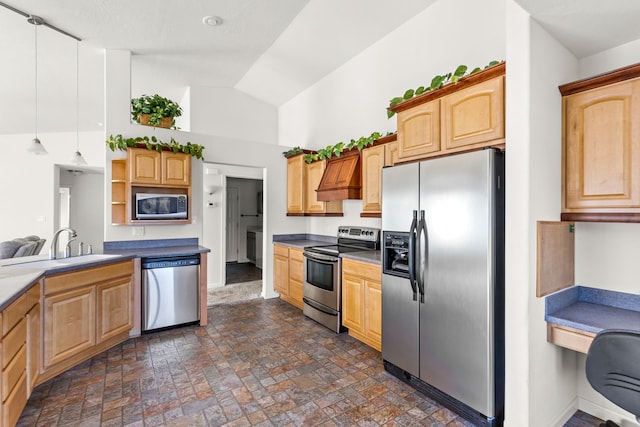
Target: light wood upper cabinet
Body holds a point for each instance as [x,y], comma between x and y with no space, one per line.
[144,166]
[302,182]
[601,147]
[419,131]
[473,115]
[296,185]
[373,160]
[460,116]
[152,168]
[176,168]
[362,301]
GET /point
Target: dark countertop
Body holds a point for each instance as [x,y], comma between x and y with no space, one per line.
[592,310]
[19,274]
[373,257]
[300,241]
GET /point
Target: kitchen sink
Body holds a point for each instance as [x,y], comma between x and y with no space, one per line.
[62,262]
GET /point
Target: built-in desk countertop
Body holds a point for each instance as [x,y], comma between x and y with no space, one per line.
[576,314]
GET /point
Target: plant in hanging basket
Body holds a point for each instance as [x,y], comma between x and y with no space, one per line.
[155,111]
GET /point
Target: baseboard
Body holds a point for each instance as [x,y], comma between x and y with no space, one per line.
[566,414]
[622,418]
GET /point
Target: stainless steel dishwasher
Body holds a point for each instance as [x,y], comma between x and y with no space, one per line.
[170,288]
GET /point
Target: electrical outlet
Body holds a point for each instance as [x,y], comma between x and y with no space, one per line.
[137,231]
[41,218]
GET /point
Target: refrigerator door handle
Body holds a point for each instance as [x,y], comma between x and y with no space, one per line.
[422,251]
[412,257]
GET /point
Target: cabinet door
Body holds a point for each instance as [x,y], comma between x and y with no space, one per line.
[391,153]
[373,159]
[176,168]
[473,115]
[601,149]
[352,303]
[296,184]
[373,313]
[33,346]
[144,166]
[70,326]
[419,130]
[314,176]
[281,269]
[296,276]
[115,311]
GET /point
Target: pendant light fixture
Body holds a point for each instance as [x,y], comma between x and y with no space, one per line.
[76,158]
[36,147]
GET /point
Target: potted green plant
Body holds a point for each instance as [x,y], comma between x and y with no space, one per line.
[155,111]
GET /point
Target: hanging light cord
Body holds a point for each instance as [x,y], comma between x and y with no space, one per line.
[78,96]
[35,29]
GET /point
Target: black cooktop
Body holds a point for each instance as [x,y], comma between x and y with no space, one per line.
[336,249]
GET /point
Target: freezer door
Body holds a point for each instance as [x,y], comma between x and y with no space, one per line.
[399,309]
[456,318]
[399,196]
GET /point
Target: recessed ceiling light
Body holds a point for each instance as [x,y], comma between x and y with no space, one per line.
[212,21]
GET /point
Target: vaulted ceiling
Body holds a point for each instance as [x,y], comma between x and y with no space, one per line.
[271,49]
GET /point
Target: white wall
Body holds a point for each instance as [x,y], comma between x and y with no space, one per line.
[230,113]
[30,182]
[86,207]
[220,150]
[351,102]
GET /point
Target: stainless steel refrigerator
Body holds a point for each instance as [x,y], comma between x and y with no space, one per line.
[443,280]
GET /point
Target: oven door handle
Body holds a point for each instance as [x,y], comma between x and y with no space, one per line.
[320,258]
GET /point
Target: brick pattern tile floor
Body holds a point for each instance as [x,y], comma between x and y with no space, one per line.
[258,363]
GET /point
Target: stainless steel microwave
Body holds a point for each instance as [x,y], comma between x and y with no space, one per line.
[161,206]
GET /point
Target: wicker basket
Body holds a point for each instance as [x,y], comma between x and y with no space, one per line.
[165,122]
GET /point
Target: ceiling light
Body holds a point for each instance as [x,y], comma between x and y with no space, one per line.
[212,21]
[36,146]
[76,158]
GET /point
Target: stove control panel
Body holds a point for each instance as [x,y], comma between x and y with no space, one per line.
[359,233]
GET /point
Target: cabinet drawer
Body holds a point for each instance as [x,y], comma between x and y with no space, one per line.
[89,276]
[12,314]
[13,372]
[13,341]
[33,296]
[281,250]
[15,403]
[365,270]
[569,338]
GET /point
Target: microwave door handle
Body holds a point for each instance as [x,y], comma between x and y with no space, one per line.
[412,257]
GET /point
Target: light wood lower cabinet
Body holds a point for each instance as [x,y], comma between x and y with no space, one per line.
[85,312]
[14,360]
[362,301]
[288,274]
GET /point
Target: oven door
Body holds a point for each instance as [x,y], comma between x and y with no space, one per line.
[322,279]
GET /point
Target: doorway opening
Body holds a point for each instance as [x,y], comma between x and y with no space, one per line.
[243,231]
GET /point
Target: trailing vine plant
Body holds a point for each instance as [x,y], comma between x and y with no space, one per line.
[336,150]
[292,151]
[118,142]
[436,83]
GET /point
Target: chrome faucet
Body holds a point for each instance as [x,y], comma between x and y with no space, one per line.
[54,242]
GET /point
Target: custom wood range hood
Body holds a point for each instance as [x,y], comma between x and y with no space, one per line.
[342,178]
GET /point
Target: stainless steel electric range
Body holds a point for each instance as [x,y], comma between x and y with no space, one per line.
[322,291]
